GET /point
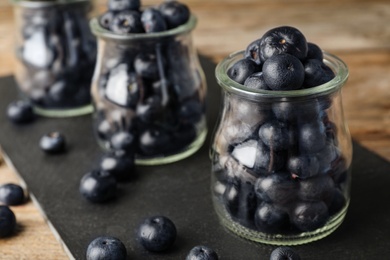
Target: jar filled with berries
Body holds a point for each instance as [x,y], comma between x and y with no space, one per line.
[55,55]
[281,152]
[148,89]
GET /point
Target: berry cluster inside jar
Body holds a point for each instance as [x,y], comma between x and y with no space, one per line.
[56,53]
[281,60]
[126,16]
[278,167]
[150,97]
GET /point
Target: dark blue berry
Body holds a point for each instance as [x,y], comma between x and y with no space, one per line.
[271,219]
[157,233]
[60,91]
[252,51]
[297,112]
[53,143]
[303,166]
[7,221]
[119,165]
[150,109]
[327,157]
[126,22]
[11,194]
[337,203]
[104,129]
[312,137]
[123,142]
[308,216]
[316,73]
[106,248]
[191,111]
[275,135]
[308,111]
[105,19]
[277,188]
[283,72]
[314,52]
[153,21]
[154,141]
[243,113]
[146,65]
[183,135]
[256,81]
[242,69]
[20,112]
[174,13]
[318,188]
[285,110]
[283,39]
[202,253]
[284,253]
[233,132]
[121,5]
[98,186]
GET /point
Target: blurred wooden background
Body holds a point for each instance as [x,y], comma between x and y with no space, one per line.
[358,31]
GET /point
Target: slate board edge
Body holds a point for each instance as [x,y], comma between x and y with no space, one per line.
[37,205]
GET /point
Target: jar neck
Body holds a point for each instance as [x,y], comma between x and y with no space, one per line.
[107,35]
[339,68]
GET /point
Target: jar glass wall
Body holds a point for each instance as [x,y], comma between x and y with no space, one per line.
[281,159]
[151,88]
[56,54]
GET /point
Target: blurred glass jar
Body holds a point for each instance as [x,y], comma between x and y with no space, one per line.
[56,54]
[149,94]
[281,159]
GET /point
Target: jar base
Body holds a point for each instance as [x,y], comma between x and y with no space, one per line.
[279,239]
[188,151]
[67,112]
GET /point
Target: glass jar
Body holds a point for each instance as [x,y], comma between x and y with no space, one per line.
[149,88]
[56,54]
[281,159]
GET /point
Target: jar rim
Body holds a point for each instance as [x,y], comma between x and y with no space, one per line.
[336,64]
[99,31]
[43,3]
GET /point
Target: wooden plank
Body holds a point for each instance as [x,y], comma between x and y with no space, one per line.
[340,26]
[367,99]
[34,239]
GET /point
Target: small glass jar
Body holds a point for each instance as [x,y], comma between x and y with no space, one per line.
[151,88]
[281,159]
[56,54]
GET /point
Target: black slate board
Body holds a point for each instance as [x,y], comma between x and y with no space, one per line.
[180,191]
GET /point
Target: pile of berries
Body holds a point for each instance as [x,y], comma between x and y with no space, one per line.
[148,93]
[57,54]
[278,165]
[281,59]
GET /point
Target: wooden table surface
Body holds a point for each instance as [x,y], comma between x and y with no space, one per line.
[357,31]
